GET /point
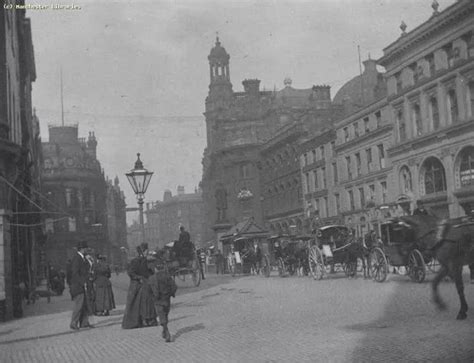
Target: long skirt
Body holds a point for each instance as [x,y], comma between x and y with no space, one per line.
[104,298]
[139,307]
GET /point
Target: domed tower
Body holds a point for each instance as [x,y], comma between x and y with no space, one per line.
[220,86]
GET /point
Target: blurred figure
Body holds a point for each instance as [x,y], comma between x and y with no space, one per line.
[420,209]
[90,281]
[104,296]
[56,281]
[220,262]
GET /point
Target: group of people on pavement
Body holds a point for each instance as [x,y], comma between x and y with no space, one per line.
[89,285]
[151,286]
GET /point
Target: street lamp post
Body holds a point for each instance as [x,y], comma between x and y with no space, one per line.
[139,179]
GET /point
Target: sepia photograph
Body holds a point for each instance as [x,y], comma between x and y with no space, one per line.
[236,181]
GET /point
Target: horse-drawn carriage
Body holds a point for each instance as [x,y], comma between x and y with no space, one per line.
[290,254]
[335,247]
[405,242]
[245,255]
[183,263]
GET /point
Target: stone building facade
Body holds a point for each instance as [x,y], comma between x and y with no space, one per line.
[165,217]
[76,187]
[281,178]
[430,86]
[391,138]
[406,134]
[319,175]
[239,124]
[20,157]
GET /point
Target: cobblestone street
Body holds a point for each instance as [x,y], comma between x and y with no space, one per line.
[260,319]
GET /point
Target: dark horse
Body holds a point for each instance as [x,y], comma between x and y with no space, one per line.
[454,248]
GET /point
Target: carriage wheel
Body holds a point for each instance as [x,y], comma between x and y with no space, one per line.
[378,265]
[416,266]
[266,266]
[350,268]
[316,264]
[282,271]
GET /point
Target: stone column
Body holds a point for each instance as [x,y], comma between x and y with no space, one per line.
[6,284]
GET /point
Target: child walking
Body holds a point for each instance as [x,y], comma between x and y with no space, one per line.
[163,288]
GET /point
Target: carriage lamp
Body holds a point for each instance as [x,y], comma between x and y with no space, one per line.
[139,178]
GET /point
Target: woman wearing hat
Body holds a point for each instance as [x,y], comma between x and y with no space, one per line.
[140,308]
[104,296]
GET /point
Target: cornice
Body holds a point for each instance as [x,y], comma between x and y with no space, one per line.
[432,138]
[366,178]
[450,16]
[317,194]
[323,138]
[314,165]
[362,139]
[290,213]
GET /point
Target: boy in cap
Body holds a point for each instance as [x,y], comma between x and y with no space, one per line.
[163,288]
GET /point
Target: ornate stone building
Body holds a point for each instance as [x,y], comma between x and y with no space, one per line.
[281,179]
[430,86]
[76,187]
[20,157]
[239,124]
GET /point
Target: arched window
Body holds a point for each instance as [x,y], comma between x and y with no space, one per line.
[467,167]
[405,180]
[434,175]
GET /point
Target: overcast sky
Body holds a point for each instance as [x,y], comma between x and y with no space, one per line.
[137,74]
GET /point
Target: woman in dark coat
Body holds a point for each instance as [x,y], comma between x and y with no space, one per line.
[140,308]
[104,296]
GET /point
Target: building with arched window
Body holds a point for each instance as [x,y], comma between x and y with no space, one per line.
[432,111]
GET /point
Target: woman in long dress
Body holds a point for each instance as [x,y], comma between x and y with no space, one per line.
[104,296]
[140,308]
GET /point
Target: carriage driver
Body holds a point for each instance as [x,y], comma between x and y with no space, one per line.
[183,247]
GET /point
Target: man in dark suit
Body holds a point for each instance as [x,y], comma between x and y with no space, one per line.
[79,276]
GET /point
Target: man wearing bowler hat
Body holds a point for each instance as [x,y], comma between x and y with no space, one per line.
[79,276]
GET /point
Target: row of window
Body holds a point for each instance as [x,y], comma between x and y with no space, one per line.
[318,154]
[361,127]
[363,201]
[366,197]
[427,119]
[282,187]
[443,58]
[316,180]
[287,156]
[369,162]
